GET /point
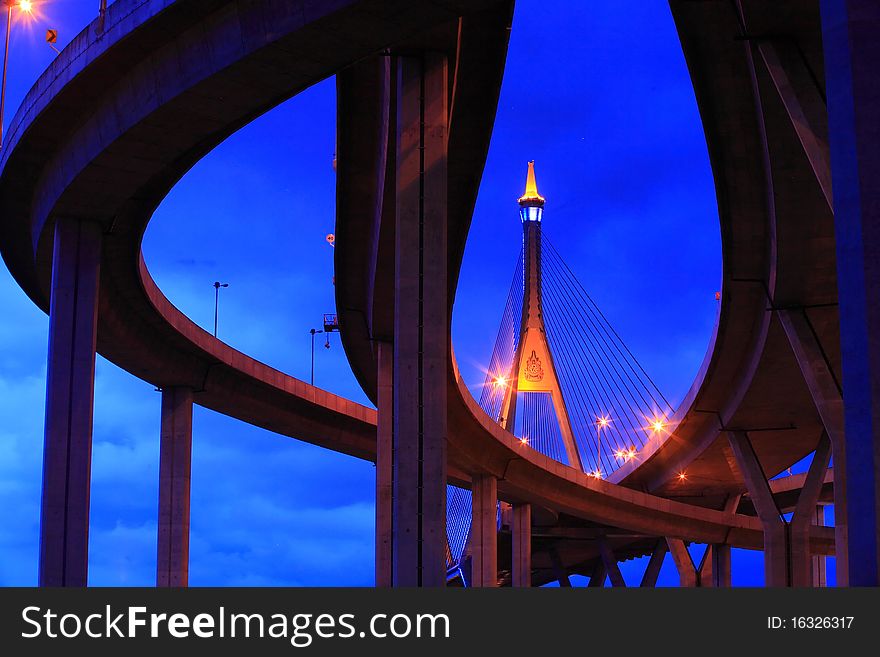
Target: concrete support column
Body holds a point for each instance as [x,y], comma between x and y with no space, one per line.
[852,59]
[721,576]
[521,529]
[610,563]
[820,561]
[175,468]
[384,464]
[421,324]
[826,393]
[562,574]
[649,579]
[484,531]
[776,546]
[804,515]
[70,391]
[687,574]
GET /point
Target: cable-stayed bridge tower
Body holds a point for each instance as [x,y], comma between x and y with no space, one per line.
[532,371]
[560,377]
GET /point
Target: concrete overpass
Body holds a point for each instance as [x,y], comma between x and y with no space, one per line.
[126,110]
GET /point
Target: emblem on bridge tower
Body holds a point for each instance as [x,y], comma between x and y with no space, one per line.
[533,369]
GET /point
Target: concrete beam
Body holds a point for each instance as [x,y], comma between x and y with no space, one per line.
[175,468]
[484,531]
[521,529]
[826,393]
[852,59]
[70,392]
[421,324]
[384,463]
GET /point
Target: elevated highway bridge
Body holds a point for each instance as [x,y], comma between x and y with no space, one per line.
[134,102]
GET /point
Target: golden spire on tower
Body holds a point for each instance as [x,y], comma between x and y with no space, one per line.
[531,197]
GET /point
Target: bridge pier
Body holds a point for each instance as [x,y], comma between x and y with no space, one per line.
[384,463]
[825,391]
[484,531]
[820,561]
[852,59]
[691,575]
[521,529]
[721,574]
[655,563]
[70,394]
[421,324]
[175,468]
[787,556]
[610,562]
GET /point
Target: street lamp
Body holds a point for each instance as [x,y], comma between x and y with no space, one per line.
[217,286]
[331,325]
[26,6]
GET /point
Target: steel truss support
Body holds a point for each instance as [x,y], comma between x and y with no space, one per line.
[787,557]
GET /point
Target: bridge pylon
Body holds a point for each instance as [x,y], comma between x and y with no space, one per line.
[533,370]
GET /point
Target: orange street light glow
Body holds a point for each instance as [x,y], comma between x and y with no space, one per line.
[682,476]
[500,381]
[602,422]
[26,6]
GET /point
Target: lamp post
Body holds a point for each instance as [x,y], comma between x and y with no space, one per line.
[217,286]
[26,7]
[327,345]
[331,325]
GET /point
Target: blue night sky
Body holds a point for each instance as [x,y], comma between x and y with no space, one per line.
[596,92]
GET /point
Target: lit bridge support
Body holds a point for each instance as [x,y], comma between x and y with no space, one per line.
[852,59]
[421,324]
[175,468]
[70,393]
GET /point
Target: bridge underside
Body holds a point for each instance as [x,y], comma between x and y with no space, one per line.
[123,114]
